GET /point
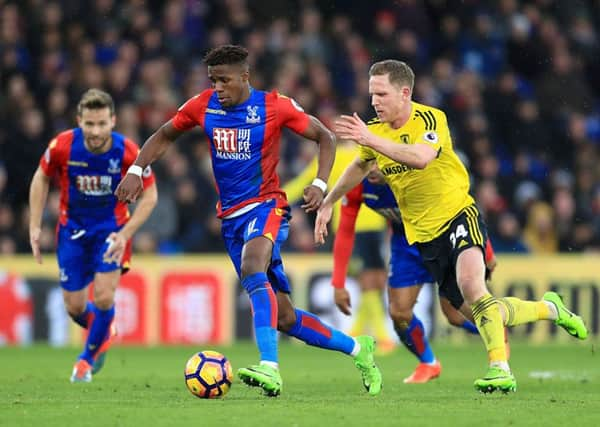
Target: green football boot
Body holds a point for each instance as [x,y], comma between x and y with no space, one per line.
[263,376]
[371,375]
[567,320]
[496,379]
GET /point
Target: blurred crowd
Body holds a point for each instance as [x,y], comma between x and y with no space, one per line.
[519,80]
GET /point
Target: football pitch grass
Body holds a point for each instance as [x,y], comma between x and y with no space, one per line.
[557,385]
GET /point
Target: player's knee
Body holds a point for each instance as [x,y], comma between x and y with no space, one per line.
[75,306]
[401,315]
[251,265]
[74,310]
[472,286]
[104,300]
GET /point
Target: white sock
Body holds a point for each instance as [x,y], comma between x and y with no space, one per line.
[356,348]
[553,310]
[273,365]
[502,364]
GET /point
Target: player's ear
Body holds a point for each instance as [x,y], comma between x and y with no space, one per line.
[113,120]
[245,72]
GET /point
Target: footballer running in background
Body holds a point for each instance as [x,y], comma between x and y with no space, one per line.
[95,229]
[243,126]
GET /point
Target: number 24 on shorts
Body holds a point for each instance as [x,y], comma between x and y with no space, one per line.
[459,233]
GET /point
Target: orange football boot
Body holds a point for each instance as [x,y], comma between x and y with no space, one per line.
[424,372]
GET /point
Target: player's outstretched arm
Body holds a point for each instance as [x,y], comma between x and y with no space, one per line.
[314,193]
[352,176]
[131,186]
[38,193]
[417,156]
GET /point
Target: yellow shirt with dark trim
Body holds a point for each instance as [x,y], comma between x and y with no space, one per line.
[431,197]
[367,220]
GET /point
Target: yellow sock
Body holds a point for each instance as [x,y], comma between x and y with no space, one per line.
[488,319]
[372,299]
[362,318]
[519,311]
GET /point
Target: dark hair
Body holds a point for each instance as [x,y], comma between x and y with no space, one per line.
[226,55]
[399,72]
[95,99]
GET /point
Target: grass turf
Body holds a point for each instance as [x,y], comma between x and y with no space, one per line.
[557,385]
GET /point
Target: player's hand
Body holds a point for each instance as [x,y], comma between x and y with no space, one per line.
[116,248]
[341,297]
[323,218]
[313,196]
[34,240]
[352,127]
[130,188]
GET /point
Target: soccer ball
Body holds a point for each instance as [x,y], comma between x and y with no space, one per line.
[208,374]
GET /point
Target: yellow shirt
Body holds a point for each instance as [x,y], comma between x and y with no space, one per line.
[429,198]
[367,220]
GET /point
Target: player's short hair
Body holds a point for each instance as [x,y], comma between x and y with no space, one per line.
[95,99]
[227,55]
[400,74]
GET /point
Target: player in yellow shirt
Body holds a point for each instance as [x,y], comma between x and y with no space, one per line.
[369,316]
[411,145]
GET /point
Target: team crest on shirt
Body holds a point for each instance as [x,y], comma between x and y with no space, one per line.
[431,137]
[114,166]
[252,116]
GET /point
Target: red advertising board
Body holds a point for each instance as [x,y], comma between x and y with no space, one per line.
[16,310]
[131,302]
[191,308]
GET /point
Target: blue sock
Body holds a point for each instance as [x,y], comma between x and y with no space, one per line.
[310,329]
[469,327]
[98,331]
[83,318]
[264,313]
[415,340]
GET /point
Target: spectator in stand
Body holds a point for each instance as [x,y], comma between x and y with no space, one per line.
[539,234]
[506,234]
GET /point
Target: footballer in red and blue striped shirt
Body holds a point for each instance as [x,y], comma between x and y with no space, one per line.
[94,228]
[243,129]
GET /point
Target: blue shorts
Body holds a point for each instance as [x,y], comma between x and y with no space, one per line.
[269,219]
[80,256]
[406,267]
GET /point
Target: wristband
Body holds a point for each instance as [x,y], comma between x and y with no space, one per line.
[135,170]
[320,184]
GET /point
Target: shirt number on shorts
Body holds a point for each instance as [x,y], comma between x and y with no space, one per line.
[459,233]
